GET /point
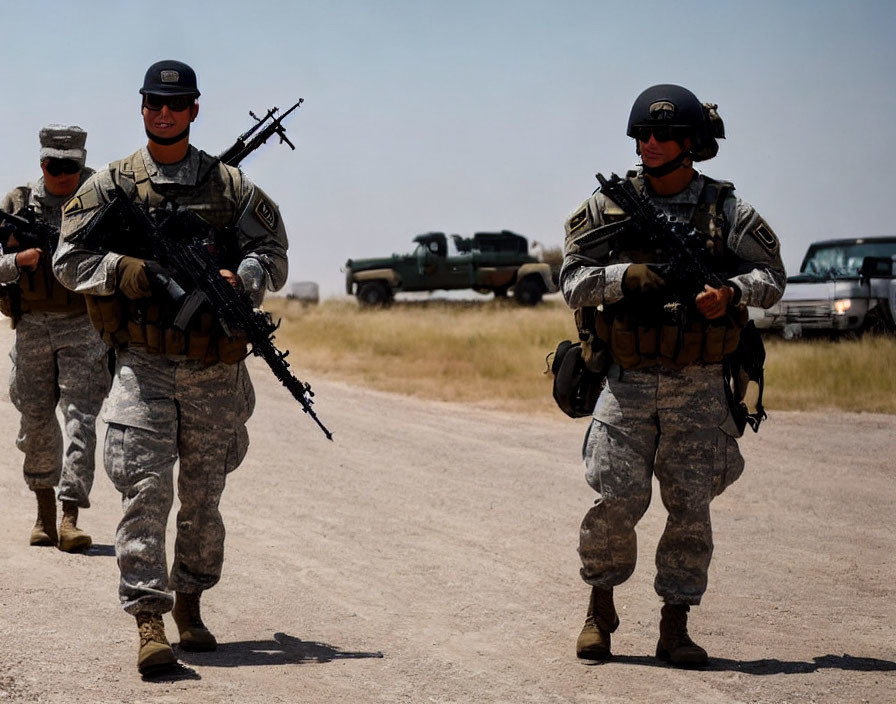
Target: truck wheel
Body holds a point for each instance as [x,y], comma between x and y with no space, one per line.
[500,292]
[529,291]
[373,294]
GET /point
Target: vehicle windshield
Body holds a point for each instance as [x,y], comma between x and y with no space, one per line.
[844,260]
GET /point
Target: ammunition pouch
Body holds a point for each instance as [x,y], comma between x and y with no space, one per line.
[125,323]
[40,291]
[676,338]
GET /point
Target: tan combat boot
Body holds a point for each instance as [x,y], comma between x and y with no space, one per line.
[155,654]
[675,645]
[600,622]
[72,538]
[44,531]
[193,633]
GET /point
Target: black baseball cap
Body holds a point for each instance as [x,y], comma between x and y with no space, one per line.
[170,77]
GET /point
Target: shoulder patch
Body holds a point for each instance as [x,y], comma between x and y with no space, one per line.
[267,214]
[578,220]
[87,199]
[75,205]
[763,234]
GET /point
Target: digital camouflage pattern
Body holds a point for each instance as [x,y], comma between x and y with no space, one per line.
[57,360]
[671,424]
[760,279]
[674,424]
[163,410]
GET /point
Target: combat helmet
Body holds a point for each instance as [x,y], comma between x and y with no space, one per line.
[670,105]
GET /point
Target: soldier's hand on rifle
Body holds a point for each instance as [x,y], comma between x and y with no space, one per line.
[641,279]
[713,302]
[232,278]
[28,259]
[132,279]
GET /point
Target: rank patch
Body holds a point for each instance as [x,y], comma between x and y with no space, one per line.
[265,212]
[763,235]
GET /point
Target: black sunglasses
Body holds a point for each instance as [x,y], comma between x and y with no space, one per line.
[662,133]
[175,103]
[57,167]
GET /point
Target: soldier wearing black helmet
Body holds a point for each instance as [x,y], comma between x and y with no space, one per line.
[663,411]
[176,395]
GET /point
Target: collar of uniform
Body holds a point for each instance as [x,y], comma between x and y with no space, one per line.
[46,200]
[690,195]
[185,172]
[42,198]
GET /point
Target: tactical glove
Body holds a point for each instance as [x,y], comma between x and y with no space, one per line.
[641,279]
[132,279]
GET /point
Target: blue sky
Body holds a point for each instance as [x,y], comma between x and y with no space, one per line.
[470,116]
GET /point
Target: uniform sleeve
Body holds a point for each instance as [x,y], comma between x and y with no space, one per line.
[9,272]
[759,275]
[262,242]
[586,279]
[77,267]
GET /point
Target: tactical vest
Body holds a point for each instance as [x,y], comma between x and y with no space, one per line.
[36,290]
[675,335]
[147,322]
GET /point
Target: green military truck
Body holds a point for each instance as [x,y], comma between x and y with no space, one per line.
[488,262]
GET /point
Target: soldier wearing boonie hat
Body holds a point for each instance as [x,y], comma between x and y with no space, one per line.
[180,395]
[58,359]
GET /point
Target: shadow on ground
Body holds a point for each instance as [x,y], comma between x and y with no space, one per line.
[282,650]
[771,666]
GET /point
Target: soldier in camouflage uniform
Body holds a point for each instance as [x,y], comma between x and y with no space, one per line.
[175,396]
[663,411]
[57,358]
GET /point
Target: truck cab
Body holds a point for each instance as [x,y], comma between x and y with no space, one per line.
[844,286]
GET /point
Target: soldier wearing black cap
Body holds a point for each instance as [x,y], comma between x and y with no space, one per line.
[663,411]
[58,360]
[175,395]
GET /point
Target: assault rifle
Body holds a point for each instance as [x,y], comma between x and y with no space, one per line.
[688,268]
[177,241]
[28,231]
[245,144]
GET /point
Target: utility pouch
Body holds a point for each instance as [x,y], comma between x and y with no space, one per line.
[232,349]
[576,386]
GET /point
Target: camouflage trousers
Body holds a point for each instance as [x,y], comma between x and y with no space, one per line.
[161,412]
[673,425]
[58,360]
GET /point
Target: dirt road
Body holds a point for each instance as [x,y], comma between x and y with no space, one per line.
[429,555]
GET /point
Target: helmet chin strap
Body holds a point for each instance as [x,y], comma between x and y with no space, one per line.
[168,140]
[668,167]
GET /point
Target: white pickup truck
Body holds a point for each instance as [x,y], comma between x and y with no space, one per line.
[844,286]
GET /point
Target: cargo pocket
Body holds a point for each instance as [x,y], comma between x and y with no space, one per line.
[728,463]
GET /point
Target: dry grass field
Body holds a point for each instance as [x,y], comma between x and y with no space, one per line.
[491,353]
